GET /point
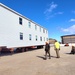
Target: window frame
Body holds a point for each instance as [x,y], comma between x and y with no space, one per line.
[30,37]
[40,38]
[35,27]
[36,38]
[21,36]
[20,21]
[29,24]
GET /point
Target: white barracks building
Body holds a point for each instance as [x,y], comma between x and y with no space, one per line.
[17,30]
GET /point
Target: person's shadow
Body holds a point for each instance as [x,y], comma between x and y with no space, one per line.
[43,57]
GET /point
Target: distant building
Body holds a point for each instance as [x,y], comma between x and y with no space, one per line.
[52,41]
[68,39]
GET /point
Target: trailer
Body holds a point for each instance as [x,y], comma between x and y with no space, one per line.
[19,32]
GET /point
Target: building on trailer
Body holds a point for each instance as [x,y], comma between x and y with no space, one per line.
[68,39]
[17,30]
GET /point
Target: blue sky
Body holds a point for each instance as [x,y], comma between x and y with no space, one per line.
[57,16]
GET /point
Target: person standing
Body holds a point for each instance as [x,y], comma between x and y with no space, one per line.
[73,50]
[57,48]
[47,50]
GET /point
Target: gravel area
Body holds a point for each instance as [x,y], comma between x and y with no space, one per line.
[33,63]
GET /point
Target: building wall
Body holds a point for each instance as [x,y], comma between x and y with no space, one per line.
[10,30]
[52,41]
[68,39]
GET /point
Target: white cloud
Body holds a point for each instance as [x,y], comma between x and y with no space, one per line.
[60,13]
[49,11]
[52,15]
[69,30]
[51,7]
[72,20]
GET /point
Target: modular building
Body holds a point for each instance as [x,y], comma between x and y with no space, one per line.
[68,39]
[17,30]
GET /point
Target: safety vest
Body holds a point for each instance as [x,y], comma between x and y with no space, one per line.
[57,45]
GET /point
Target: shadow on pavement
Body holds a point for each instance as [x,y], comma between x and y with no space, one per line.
[41,57]
[70,53]
[6,54]
[44,57]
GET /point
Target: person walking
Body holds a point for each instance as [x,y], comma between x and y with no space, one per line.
[47,50]
[57,48]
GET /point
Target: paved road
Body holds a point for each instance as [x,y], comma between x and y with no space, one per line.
[32,63]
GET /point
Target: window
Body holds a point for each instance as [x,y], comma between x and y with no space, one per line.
[43,30]
[40,38]
[29,23]
[40,29]
[21,36]
[36,37]
[20,21]
[30,37]
[35,27]
[44,38]
[47,39]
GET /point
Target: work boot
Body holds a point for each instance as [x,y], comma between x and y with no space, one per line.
[45,58]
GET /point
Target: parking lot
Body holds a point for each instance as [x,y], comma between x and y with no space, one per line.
[33,63]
